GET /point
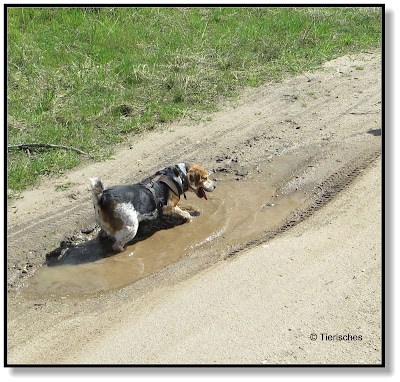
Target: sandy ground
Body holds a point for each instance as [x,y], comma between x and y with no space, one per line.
[257,304]
[263,306]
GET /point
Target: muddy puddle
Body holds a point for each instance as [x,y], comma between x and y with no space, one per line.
[241,208]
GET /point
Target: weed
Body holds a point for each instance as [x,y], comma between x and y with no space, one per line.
[63,187]
[312,94]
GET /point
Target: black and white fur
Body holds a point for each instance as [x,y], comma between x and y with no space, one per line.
[120,209]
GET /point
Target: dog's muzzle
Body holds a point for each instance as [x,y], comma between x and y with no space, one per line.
[208,186]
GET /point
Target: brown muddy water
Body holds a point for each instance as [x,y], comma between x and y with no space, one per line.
[240,209]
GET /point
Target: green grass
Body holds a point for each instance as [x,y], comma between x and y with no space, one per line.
[90,77]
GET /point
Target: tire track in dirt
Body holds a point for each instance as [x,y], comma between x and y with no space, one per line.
[325,192]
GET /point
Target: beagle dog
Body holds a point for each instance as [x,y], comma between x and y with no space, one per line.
[120,209]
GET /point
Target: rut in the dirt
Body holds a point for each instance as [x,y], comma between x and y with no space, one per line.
[229,223]
[324,193]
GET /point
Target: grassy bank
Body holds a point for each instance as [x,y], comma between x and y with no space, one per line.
[88,77]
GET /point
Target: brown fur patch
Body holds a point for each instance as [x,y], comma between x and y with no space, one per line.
[195,174]
[173,199]
[197,169]
[112,222]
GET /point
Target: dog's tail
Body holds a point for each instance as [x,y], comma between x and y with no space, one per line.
[97,188]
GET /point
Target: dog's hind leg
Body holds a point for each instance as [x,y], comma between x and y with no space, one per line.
[128,216]
[123,236]
[103,234]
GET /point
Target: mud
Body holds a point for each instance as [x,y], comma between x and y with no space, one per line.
[250,206]
[242,208]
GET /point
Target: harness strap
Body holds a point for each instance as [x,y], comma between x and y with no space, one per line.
[149,186]
[170,183]
[162,178]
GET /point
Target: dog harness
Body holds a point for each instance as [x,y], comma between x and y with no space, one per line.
[171,184]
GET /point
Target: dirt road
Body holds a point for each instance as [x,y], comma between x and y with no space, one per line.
[266,264]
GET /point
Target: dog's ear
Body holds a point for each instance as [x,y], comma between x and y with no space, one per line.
[194,177]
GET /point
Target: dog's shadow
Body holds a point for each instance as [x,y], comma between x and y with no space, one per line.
[81,251]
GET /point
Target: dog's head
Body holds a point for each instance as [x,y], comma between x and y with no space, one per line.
[197,180]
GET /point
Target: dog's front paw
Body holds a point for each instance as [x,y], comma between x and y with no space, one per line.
[195,213]
[186,216]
